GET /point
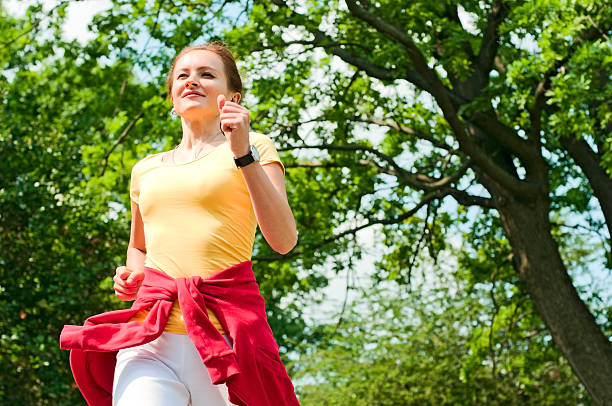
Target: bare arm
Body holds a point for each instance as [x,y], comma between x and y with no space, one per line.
[128,278]
[266,185]
[136,248]
[135,259]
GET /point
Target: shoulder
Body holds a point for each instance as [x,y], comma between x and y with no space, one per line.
[267,151]
[145,163]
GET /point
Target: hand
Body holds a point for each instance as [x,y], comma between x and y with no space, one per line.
[127,282]
[235,123]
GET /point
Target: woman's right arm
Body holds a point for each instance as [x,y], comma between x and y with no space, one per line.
[128,278]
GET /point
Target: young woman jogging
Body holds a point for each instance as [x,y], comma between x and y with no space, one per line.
[197,332]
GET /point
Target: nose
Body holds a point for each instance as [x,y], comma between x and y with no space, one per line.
[190,83]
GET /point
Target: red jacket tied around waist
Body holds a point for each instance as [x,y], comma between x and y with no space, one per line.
[252,370]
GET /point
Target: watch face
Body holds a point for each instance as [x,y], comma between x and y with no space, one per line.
[255,152]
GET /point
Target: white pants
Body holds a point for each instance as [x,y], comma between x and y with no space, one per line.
[167,371]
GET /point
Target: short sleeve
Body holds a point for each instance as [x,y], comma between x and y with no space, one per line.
[135,184]
[266,149]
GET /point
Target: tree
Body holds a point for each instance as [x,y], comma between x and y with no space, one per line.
[58,233]
[75,119]
[445,342]
[469,113]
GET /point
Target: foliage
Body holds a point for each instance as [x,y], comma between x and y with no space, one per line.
[363,142]
[441,343]
[442,107]
[75,120]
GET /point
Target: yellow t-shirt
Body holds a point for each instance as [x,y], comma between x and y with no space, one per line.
[198,217]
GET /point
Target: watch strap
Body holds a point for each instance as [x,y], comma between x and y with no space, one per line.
[250,157]
[244,160]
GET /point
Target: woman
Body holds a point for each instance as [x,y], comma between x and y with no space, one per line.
[197,207]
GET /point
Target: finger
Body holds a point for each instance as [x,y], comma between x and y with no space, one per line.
[221,101]
[227,129]
[235,113]
[231,124]
[138,275]
[122,272]
[230,106]
[124,275]
[121,283]
[124,290]
[135,278]
[231,116]
[123,297]
[227,126]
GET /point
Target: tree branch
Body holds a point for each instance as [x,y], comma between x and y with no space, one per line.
[520,188]
[428,80]
[423,77]
[460,196]
[311,42]
[590,164]
[525,150]
[392,32]
[120,140]
[603,34]
[466,199]
[372,69]
[416,181]
[535,113]
[419,181]
[433,183]
[490,41]
[446,103]
[319,164]
[405,130]
[400,171]
[371,222]
[33,26]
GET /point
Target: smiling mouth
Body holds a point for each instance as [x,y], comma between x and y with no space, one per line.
[193,95]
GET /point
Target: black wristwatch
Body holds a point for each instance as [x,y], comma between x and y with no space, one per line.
[251,157]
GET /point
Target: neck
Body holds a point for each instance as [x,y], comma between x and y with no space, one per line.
[199,133]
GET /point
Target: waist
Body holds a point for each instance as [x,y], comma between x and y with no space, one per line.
[176,322]
[187,260]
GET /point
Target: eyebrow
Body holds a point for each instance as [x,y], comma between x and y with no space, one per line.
[199,68]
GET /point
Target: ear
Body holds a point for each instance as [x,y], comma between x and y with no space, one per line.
[236,98]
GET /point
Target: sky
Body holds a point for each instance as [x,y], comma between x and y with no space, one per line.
[79,15]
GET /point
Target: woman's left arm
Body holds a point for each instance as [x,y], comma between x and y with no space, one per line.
[266,185]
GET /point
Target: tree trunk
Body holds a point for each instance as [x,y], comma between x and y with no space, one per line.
[537,260]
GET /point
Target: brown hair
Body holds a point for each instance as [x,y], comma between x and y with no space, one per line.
[234,83]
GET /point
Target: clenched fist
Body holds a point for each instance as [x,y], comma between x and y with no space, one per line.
[127,282]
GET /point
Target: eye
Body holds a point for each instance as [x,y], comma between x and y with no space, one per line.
[207,73]
[181,74]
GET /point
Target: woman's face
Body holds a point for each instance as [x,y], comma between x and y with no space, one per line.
[198,78]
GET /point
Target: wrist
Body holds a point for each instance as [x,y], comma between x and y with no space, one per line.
[241,151]
[251,156]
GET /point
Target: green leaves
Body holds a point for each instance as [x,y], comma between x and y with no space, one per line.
[363,141]
[442,343]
